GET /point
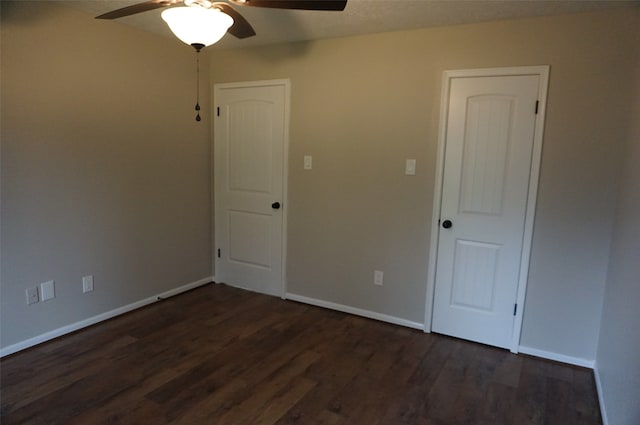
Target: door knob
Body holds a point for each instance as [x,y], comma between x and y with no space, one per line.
[447,224]
[275,205]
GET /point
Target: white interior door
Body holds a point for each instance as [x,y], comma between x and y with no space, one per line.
[490,128]
[250,129]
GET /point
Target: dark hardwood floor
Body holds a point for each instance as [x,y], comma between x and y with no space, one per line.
[220,355]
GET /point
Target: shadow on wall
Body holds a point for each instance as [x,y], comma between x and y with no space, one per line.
[283,52]
[24,13]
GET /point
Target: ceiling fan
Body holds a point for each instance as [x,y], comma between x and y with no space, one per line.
[201,23]
[240,27]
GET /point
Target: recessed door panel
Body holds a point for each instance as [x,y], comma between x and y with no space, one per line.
[484,163]
[250,133]
[250,239]
[474,275]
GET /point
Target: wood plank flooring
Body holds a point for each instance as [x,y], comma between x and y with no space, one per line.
[221,355]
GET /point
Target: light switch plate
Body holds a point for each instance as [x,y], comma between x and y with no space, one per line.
[47,290]
[410,167]
[308,162]
[378,277]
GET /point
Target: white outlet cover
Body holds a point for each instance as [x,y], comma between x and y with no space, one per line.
[410,167]
[32,295]
[308,162]
[47,290]
[87,284]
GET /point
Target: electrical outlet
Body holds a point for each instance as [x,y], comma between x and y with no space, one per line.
[410,167]
[32,295]
[87,284]
[378,277]
[47,290]
[308,162]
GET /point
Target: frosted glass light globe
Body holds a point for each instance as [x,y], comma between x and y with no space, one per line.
[197,25]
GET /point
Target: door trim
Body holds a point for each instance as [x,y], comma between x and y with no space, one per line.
[286,83]
[543,72]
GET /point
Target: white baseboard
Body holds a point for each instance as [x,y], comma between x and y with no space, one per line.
[353,310]
[603,410]
[14,348]
[577,361]
[403,322]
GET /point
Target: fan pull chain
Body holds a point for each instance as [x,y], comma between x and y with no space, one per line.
[197,108]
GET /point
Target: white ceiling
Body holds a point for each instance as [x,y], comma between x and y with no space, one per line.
[359,17]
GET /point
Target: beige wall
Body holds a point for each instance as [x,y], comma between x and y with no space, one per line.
[104,170]
[617,361]
[362,105]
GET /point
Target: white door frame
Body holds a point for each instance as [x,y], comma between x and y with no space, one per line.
[286,82]
[543,73]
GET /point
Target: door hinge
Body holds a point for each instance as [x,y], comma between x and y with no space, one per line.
[537,104]
[218,110]
[515,309]
[219,253]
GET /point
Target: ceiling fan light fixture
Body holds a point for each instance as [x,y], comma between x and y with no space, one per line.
[197,25]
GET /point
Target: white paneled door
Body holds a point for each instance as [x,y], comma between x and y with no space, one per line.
[250,128]
[490,128]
